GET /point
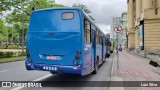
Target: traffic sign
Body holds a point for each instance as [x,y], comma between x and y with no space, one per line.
[118,29]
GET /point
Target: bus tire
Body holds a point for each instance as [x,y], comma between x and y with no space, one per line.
[96,67]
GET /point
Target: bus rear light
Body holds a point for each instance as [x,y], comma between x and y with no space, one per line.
[77,57]
[29,60]
[78,52]
[78,68]
[75,62]
[27,53]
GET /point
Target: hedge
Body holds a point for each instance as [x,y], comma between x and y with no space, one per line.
[12,47]
[9,54]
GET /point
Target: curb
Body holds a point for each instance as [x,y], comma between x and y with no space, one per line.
[114,76]
[111,75]
[12,61]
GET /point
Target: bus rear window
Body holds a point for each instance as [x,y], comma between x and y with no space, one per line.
[67,15]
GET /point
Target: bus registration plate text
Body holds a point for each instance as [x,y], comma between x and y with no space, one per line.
[51,57]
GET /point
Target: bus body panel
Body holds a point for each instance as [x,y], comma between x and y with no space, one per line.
[62,49]
[87,62]
[53,42]
[99,53]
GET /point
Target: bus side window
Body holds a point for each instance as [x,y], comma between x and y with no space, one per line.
[92,36]
[97,37]
[87,33]
[100,40]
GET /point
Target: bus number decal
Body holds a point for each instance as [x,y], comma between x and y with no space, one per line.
[49,68]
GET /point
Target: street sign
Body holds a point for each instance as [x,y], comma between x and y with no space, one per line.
[118,29]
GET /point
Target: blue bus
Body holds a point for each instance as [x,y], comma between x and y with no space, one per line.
[64,40]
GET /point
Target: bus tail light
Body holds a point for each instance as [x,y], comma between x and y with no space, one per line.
[28,55]
[29,59]
[77,57]
[75,62]
[78,52]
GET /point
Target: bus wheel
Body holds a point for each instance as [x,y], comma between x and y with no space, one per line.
[96,68]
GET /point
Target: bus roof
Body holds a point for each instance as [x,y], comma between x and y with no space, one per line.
[57,8]
[70,8]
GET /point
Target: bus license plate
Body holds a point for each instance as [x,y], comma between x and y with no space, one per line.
[51,57]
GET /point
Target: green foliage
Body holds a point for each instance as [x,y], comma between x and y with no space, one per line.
[3,31]
[12,47]
[84,8]
[21,11]
[5,5]
[10,54]
[2,54]
[6,54]
[92,18]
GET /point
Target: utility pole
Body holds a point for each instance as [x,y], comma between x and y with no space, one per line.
[117,53]
[117,29]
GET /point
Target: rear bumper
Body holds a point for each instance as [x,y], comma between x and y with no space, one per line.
[54,68]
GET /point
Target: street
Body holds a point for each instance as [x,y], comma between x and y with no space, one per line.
[128,68]
[15,71]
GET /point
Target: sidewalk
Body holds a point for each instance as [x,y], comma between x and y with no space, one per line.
[134,68]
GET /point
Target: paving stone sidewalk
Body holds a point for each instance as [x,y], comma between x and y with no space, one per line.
[134,68]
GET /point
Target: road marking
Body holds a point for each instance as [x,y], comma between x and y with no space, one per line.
[41,78]
[38,79]
[4,71]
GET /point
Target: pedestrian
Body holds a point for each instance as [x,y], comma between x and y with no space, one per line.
[120,47]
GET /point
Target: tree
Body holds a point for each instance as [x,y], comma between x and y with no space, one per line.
[85,9]
[3,32]
[14,19]
[5,5]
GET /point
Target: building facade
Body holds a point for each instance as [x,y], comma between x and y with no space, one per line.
[124,28]
[143,24]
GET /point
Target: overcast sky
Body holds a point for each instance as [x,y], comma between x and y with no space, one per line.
[102,10]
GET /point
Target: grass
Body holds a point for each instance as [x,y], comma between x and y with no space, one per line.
[12,59]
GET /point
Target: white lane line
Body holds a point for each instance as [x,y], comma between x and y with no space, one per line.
[38,79]
[4,71]
[41,78]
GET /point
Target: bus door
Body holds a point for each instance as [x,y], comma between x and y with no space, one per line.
[93,41]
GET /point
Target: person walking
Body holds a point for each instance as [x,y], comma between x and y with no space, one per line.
[120,47]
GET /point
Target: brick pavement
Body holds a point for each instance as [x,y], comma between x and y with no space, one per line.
[135,68]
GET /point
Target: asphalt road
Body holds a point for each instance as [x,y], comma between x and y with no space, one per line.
[15,71]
